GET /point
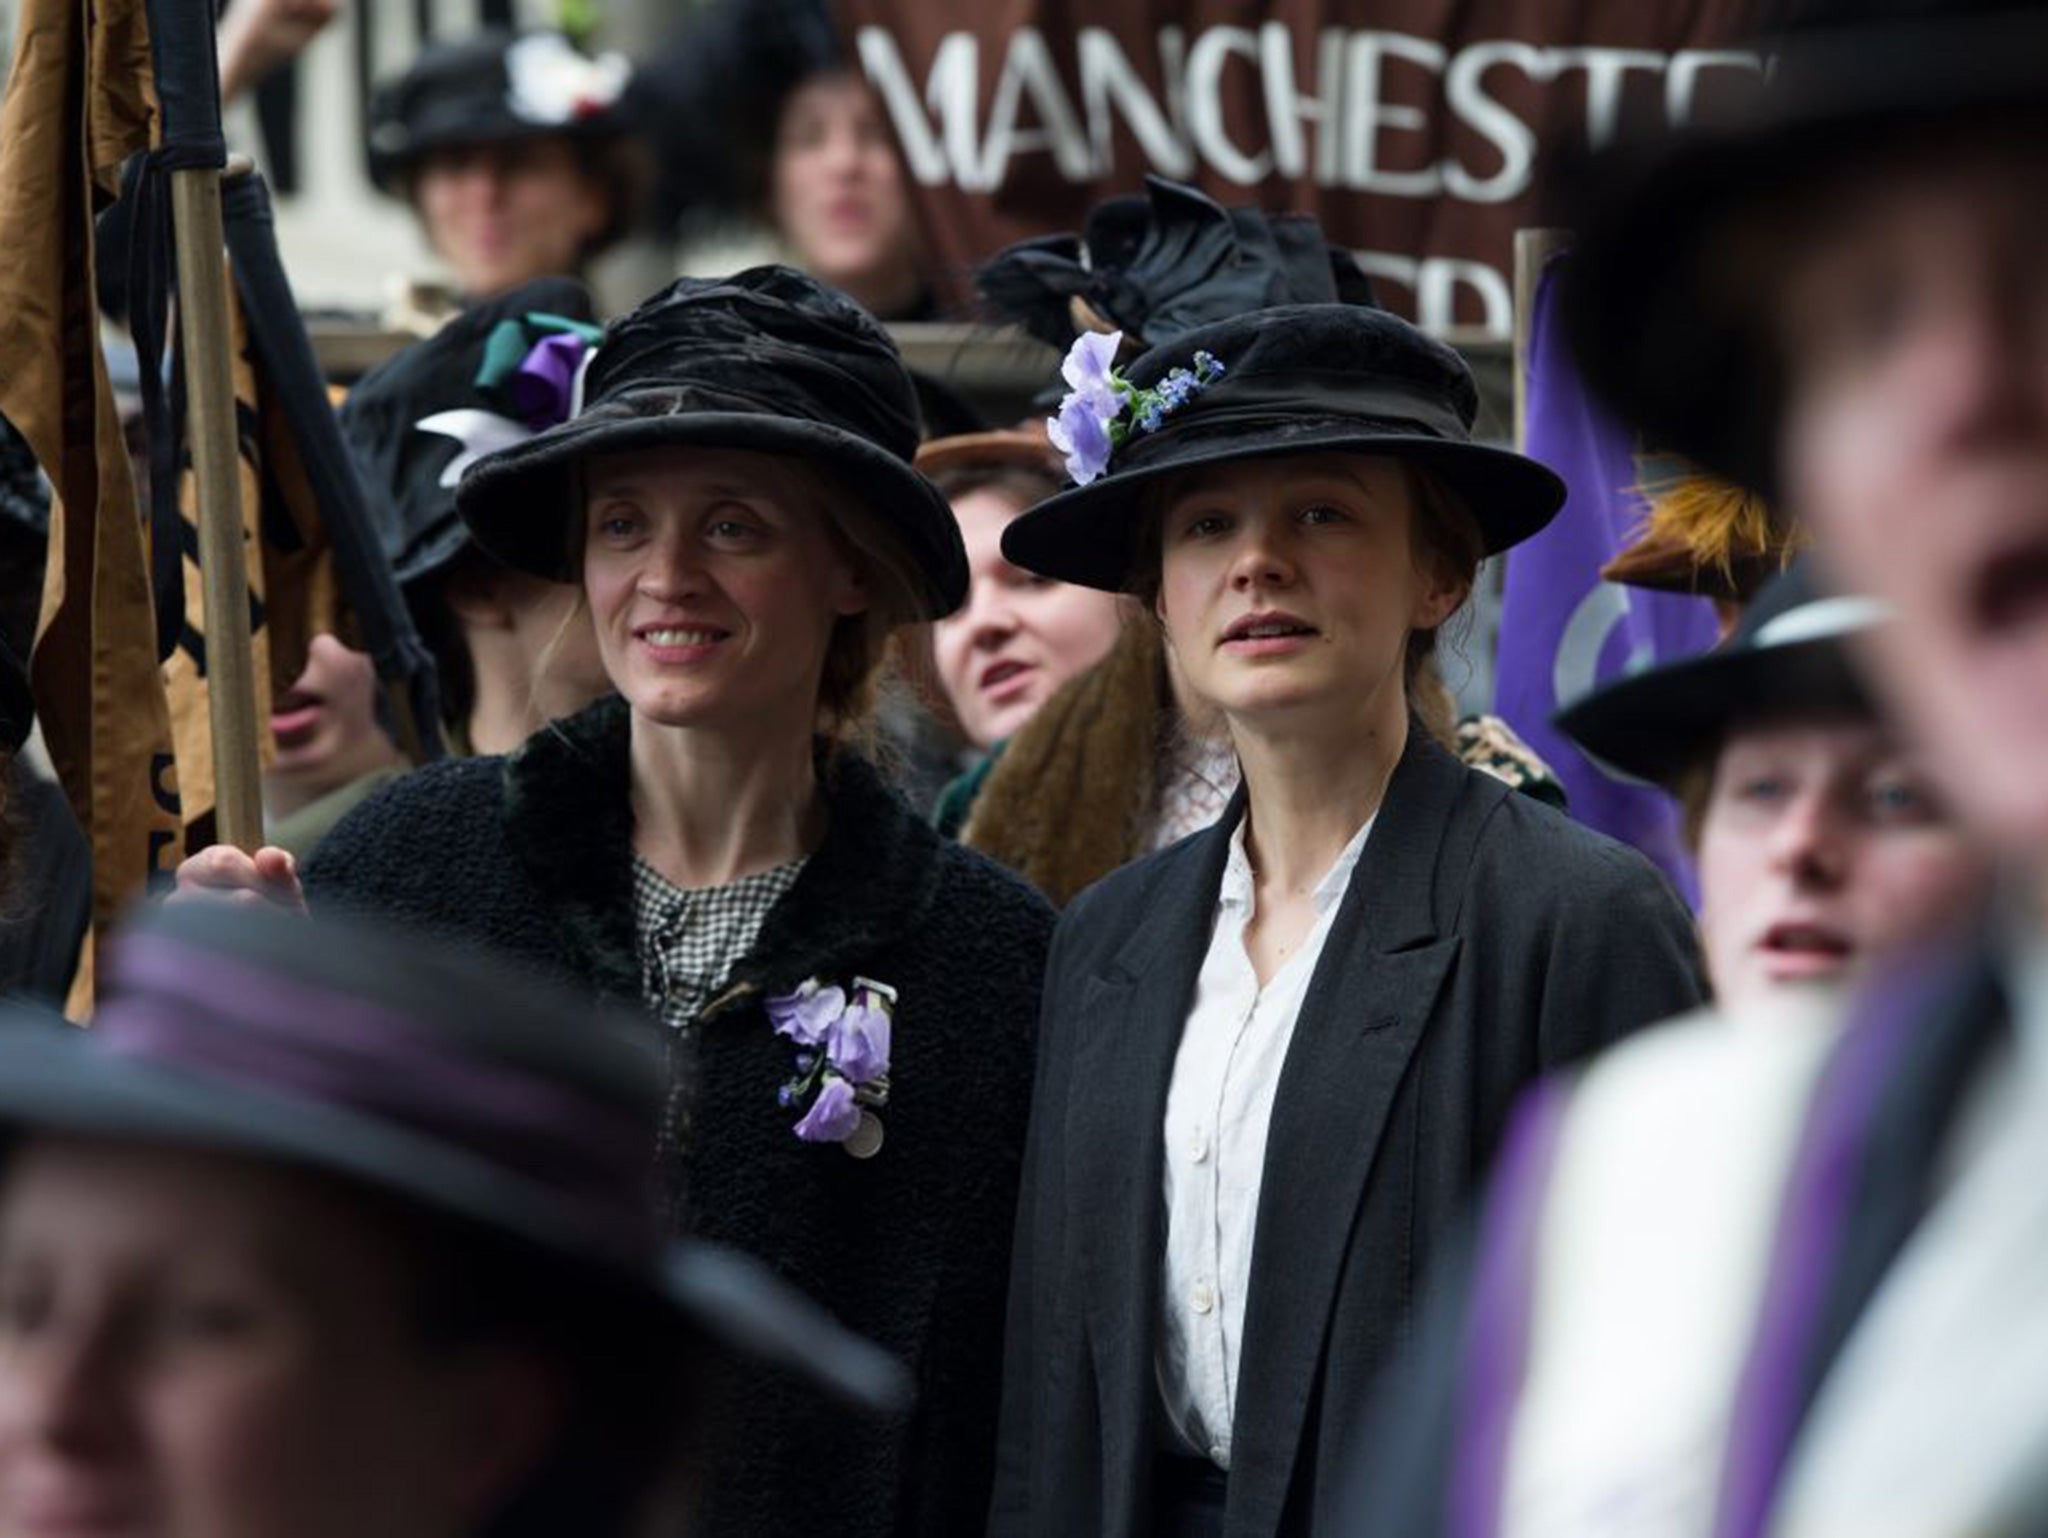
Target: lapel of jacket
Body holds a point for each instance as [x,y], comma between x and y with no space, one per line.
[1364,1012]
[1132,1015]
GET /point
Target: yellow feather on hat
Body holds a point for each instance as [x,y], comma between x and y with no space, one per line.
[1702,534]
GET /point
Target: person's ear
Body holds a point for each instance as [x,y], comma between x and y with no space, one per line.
[507,1408]
[1438,594]
[852,592]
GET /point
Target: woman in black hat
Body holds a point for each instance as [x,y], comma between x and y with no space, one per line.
[315,1232]
[735,499]
[517,153]
[1820,840]
[1275,1057]
[512,651]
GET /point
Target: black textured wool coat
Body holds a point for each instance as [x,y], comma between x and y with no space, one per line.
[1484,939]
[532,854]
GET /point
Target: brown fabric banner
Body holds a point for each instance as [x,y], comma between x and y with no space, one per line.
[78,103]
[1415,130]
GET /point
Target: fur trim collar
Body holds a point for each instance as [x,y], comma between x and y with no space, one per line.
[568,811]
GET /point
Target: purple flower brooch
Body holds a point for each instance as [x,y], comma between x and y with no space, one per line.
[842,1061]
[1103,410]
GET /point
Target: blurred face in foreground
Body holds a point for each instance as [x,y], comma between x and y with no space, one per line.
[202,1345]
[1019,636]
[1915,445]
[1821,845]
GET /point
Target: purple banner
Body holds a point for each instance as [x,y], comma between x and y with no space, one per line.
[1563,630]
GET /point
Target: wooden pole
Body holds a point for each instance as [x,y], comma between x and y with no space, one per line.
[211,430]
[1532,249]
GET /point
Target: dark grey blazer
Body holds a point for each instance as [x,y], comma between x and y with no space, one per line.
[1483,940]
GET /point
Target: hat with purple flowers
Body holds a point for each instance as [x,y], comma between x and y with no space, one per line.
[1294,379]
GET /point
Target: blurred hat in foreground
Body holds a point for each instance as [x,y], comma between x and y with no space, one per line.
[469,1089]
[1671,294]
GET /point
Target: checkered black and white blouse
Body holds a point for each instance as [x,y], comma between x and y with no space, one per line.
[691,937]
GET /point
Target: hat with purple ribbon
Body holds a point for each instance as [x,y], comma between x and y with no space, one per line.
[501,371]
[768,359]
[471,1090]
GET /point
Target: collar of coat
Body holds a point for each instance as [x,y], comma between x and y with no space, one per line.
[568,812]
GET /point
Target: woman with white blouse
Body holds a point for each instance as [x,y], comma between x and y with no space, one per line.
[1275,1058]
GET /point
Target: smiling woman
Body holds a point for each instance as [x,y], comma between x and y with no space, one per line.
[737,506]
[1339,988]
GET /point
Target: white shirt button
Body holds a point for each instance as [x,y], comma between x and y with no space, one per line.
[1202,1297]
[1198,1145]
[1219,1457]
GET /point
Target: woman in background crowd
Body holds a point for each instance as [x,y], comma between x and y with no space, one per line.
[1275,1058]
[512,650]
[518,154]
[1821,842]
[736,502]
[251,1289]
[1019,637]
[763,114]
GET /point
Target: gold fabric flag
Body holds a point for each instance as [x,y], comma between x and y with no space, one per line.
[290,594]
[80,101]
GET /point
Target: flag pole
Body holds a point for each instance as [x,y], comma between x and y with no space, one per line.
[188,89]
[1532,249]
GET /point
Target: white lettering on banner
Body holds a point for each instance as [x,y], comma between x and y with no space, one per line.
[1111,87]
[1028,69]
[1204,105]
[943,140]
[1435,281]
[1365,114]
[1465,92]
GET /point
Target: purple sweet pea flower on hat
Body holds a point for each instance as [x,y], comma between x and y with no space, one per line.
[833,1115]
[543,387]
[1095,397]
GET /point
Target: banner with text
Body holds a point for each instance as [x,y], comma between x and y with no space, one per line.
[1416,139]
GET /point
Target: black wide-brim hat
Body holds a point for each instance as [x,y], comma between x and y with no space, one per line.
[493,87]
[1669,315]
[1297,379]
[472,1091]
[1789,656]
[403,465]
[769,359]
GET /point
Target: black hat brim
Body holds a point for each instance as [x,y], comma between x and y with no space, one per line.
[1089,535]
[1660,724]
[1660,329]
[524,506]
[52,1080]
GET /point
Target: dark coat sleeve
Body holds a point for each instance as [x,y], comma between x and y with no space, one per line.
[1039,1232]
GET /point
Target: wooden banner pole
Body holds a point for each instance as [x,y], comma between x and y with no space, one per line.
[211,431]
[1532,249]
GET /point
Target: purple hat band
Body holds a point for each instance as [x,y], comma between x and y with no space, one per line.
[207,1015]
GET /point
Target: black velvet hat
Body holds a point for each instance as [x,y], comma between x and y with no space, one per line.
[1788,656]
[417,420]
[454,1083]
[768,359]
[1295,379]
[489,88]
[1664,327]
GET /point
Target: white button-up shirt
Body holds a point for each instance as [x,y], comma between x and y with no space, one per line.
[1218,1108]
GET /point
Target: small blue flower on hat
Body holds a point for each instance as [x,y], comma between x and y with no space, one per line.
[1103,410]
